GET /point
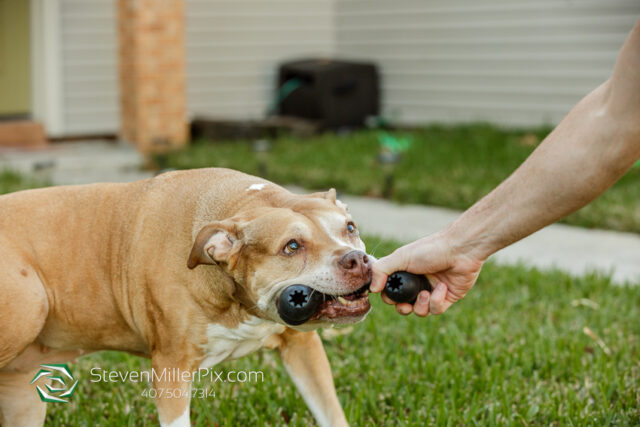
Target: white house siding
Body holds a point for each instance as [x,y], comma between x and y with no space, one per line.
[88,46]
[234,46]
[512,62]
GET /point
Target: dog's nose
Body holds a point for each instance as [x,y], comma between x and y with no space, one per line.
[355,262]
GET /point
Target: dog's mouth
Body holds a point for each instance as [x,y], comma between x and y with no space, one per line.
[354,304]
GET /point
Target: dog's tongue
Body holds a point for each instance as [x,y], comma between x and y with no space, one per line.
[341,307]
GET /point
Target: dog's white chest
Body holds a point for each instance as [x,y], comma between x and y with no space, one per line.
[226,343]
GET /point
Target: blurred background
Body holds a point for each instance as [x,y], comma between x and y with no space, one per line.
[430,103]
[140,69]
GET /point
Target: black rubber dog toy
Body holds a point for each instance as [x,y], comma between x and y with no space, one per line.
[297,303]
[404,287]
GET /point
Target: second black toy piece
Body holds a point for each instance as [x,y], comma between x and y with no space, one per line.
[403,286]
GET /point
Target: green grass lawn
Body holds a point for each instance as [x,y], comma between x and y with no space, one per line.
[445,166]
[513,352]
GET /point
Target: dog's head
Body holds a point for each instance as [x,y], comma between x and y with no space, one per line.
[309,240]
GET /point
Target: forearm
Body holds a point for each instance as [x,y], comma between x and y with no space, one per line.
[593,146]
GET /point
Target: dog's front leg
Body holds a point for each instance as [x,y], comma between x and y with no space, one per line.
[307,363]
[172,390]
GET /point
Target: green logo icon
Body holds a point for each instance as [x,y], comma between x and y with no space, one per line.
[58,390]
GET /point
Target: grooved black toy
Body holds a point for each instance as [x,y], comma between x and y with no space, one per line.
[297,303]
[403,286]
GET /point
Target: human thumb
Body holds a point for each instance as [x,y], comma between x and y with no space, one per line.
[382,268]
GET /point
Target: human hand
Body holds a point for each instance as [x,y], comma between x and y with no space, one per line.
[451,271]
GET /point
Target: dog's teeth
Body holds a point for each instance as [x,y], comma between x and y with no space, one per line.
[366,293]
[343,301]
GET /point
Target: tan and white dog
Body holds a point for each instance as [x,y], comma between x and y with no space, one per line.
[184,268]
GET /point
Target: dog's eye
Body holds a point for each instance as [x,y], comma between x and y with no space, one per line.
[291,247]
[351,228]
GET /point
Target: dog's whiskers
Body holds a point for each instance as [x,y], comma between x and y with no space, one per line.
[373,251]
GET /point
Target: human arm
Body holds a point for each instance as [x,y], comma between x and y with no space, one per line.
[591,148]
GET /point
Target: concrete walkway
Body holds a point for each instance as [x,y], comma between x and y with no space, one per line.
[77,162]
[572,249]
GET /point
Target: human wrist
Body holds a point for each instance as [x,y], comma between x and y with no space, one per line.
[465,240]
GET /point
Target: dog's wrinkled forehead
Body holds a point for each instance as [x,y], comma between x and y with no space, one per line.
[333,224]
[313,223]
[328,214]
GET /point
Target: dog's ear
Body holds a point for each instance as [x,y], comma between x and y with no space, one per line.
[329,195]
[215,243]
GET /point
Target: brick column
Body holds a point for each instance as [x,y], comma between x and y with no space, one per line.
[152,73]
